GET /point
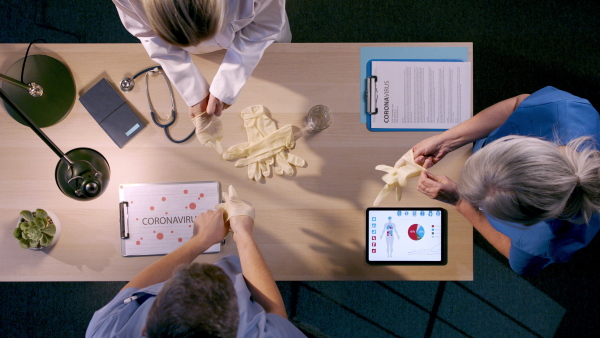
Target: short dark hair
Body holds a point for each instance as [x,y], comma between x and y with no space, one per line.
[198,301]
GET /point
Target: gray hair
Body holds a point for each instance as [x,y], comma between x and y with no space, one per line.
[527,180]
[185,22]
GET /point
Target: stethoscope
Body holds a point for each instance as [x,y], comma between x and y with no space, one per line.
[128,83]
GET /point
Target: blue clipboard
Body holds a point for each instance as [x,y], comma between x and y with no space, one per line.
[403,53]
[371,95]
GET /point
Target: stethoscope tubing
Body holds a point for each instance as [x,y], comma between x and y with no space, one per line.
[128,83]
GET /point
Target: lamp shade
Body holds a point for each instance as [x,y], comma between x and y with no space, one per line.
[86,178]
[57,82]
[82,173]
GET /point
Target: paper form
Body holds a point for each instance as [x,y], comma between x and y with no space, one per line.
[161,216]
[421,95]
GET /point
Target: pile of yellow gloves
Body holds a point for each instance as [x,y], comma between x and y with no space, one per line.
[267,146]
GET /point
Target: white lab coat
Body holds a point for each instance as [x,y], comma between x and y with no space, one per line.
[249,27]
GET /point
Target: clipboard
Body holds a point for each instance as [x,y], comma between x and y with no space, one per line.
[157,218]
[416,103]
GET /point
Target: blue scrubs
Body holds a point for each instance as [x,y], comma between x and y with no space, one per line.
[124,318]
[559,117]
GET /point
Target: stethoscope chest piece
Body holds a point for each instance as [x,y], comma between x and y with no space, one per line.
[127,84]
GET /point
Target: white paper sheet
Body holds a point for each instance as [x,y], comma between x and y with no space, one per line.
[421,95]
[161,216]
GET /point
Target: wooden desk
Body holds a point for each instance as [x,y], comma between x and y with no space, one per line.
[309,226]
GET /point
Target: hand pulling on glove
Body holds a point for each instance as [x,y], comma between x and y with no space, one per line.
[397,176]
[209,131]
[234,206]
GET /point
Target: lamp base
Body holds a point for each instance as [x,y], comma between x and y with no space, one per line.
[58,90]
[87,178]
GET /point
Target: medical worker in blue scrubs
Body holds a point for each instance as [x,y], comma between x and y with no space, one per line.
[532,185]
[177,297]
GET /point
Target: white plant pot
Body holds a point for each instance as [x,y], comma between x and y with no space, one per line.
[56,222]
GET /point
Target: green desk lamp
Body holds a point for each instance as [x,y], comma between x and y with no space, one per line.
[81,173]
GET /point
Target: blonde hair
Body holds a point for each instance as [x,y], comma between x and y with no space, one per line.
[185,22]
[527,180]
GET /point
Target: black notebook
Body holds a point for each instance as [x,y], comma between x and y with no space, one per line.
[111,112]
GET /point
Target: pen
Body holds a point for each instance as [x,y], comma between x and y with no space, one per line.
[130,299]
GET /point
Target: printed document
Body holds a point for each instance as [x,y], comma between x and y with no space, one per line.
[421,95]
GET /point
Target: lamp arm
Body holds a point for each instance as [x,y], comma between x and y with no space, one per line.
[37,130]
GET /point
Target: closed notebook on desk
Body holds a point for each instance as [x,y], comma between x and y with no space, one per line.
[111,112]
[158,218]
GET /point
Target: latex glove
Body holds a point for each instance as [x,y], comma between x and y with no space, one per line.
[283,164]
[396,177]
[209,131]
[234,206]
[271,150]
[263,148]
[257,123]
[267,146]
[284,161]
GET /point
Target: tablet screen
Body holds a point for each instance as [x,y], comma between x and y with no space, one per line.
[414,236]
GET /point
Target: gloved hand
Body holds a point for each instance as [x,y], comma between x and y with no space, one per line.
[234,206]
[397,176]
[209,131]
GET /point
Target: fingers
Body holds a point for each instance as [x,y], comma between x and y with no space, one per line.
[425,161]
[215,106]
[438,187]
[199,108]
[429,162]
[232,192]
[429,184]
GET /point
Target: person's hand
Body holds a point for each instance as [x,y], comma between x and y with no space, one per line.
[215,106]
[241,225]
[430,151]
[235,206]
[209,131]
[438,187]
[209,227]
[199,108]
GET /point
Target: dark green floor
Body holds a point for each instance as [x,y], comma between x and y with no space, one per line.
[519,47]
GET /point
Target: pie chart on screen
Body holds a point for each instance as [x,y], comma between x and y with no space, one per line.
[416,232]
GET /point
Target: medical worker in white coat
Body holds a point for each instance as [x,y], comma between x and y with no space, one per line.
[171,29]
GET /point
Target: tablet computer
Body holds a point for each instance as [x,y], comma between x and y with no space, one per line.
[406,236]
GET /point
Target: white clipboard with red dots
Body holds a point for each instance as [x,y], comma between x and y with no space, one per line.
[156,218]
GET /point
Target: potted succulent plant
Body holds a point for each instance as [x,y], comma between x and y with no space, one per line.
[37,230]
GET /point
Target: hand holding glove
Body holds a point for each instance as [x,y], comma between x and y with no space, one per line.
[396,177]
[234,206]
[209,131]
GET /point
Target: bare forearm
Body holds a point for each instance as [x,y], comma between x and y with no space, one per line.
[482,124]
[500,241]
[258,277]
